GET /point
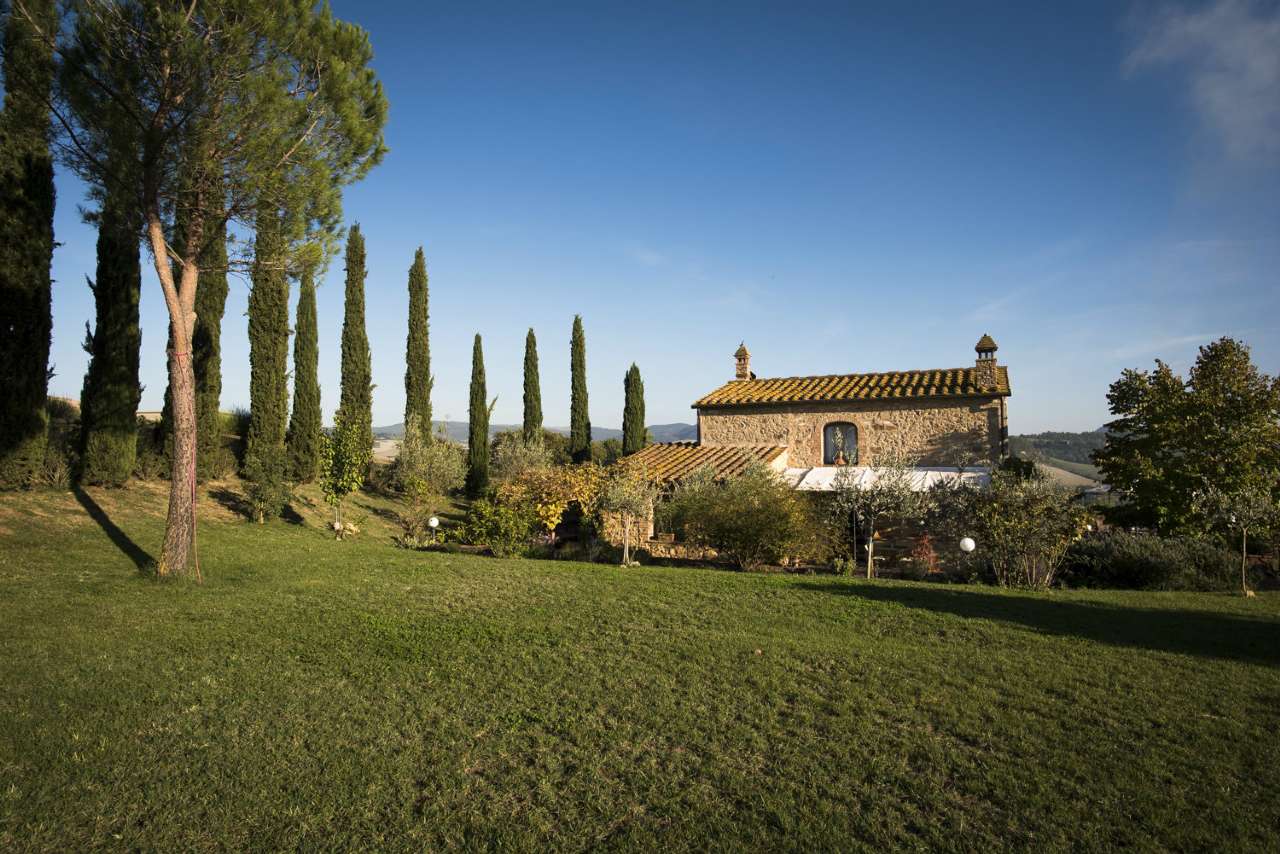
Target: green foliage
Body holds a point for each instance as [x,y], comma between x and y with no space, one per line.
[511,456]
[26,242]
[629,494]
[477,427]
[109,400]
[1022,526]
[1120,559]
[344,461]
[356,400]
[1249,510]
[606,452]
[1173,439]
[634,435]
[429,467]
[532,432]
[751,520]
[854,507]
[579,420]
[303,439]
[506,528]
[265,461]
[417,375]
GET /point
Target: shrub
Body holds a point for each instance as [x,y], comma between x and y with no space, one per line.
[506,528]
[752,519]
[1022,526]
[511,456]
[1117,558]
[547,493]
[428,466]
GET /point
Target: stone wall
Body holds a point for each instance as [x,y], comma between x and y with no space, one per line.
[933,432]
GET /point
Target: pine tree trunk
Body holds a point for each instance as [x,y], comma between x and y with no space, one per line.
[177,555]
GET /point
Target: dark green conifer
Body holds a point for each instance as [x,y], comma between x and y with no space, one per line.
[268,368]
[417,374]
[356,398]
[579,421]
[633,434]
[477,427]
[26,241]
[304,421]
[109,400]
[532,432]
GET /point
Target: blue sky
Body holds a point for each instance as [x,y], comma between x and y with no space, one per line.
[845,187]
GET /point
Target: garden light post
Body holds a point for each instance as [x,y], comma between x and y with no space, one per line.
[433,523]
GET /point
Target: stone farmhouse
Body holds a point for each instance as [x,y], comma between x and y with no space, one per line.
[949,422]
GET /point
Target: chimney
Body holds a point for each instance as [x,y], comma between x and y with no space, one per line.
[984,373]
[743,358]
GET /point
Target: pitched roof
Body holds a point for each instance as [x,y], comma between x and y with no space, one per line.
[986,344]
[942,382]
[676,460]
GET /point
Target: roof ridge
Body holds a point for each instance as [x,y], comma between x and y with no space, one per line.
[853,374]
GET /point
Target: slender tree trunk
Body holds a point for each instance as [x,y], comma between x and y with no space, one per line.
[1244,560]
[626,539]
[871,549]
[178,554]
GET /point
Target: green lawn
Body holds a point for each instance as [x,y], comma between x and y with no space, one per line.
[314,694]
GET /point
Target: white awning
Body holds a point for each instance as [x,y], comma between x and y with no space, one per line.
[822,478]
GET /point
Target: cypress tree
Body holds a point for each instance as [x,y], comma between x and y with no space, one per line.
[26,242]
[268,368]
[579,421]
[304,421]
[477,427]
[633,435]
[532,392]
[213,458]
[109,400]
[417,375]
[356,398]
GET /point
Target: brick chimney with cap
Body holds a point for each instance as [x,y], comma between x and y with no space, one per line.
[742,357]
[984,373]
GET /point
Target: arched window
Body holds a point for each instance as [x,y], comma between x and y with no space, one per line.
[840,444]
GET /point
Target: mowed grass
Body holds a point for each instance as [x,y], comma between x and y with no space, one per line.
[323,695]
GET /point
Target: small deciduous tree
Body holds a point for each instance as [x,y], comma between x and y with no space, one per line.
[865,500]
[344,460]
[629,493]
[1251,509]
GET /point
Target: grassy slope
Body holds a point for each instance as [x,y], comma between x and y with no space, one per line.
[320,694]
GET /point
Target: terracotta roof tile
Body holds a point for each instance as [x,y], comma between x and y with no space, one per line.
[673,461]
[940,382]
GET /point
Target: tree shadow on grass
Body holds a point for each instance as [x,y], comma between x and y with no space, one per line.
[140,557]
[1200,633]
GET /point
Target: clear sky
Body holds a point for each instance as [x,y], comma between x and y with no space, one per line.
[845,187]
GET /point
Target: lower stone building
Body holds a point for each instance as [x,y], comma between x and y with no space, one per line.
[947,423]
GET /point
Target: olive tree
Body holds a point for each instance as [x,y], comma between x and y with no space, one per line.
[229,108]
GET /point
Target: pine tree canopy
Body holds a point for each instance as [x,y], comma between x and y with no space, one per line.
[579,421]
[417,375]
[477,427]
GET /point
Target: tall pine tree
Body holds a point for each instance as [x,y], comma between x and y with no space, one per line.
[417,374]
[304,422]
[579,421]
[264,455]
[633,435]
[532,431]
[356,398]
[26,240]
[109,401]
[477,427]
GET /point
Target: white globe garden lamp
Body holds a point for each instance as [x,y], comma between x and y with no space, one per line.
[967,544]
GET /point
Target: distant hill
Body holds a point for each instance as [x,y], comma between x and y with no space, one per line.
[457,431]
[1068,447]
